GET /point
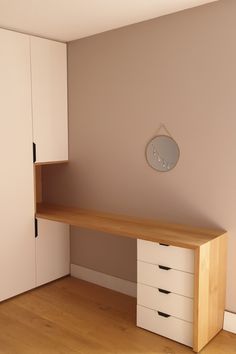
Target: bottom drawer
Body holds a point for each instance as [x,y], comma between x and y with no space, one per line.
[170,327]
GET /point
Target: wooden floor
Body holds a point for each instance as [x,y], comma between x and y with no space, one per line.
[72,316]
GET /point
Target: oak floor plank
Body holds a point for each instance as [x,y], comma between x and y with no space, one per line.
[72,316]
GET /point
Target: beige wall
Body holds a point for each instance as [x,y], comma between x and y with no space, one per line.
[179,70]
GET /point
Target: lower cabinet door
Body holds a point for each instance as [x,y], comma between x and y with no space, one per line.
[52,251]
[170,327]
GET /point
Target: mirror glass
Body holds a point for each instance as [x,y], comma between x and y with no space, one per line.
[162,153]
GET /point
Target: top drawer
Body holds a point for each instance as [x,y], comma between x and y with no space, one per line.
[170,256]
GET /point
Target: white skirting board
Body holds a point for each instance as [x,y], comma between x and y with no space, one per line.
[230,322]
[107,281]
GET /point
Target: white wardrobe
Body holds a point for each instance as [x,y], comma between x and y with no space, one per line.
[33,125]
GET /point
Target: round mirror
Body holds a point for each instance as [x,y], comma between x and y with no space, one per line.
[162,153]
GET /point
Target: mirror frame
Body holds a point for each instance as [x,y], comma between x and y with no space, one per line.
[148,146]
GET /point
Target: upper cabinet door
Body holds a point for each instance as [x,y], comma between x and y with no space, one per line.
[17,241]
[49,99]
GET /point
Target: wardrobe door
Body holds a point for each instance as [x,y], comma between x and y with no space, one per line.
[52,251]
[17,239]
[49,97]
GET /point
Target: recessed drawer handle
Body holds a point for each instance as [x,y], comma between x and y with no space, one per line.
[163,267]
[163,244]
[164,291]
[163,314]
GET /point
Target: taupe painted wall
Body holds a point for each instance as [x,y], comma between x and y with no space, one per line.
[180,70]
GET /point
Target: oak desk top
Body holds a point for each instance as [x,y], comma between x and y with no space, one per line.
[137,228]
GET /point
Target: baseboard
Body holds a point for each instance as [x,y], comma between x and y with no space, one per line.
[107,281]
[230,322]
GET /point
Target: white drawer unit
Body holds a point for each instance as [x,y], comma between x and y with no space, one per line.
[165,301]
[166,290]
[165,325]
[159,276]
[170,256]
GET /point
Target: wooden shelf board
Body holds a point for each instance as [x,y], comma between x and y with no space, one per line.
[150,230]
[51,163]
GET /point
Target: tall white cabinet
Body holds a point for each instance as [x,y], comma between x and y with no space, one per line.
[50,136]
[17,242]
[33,108]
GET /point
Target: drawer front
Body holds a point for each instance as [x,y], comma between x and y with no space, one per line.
[173,304]
[177,282]
[174,257]
[171,327]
